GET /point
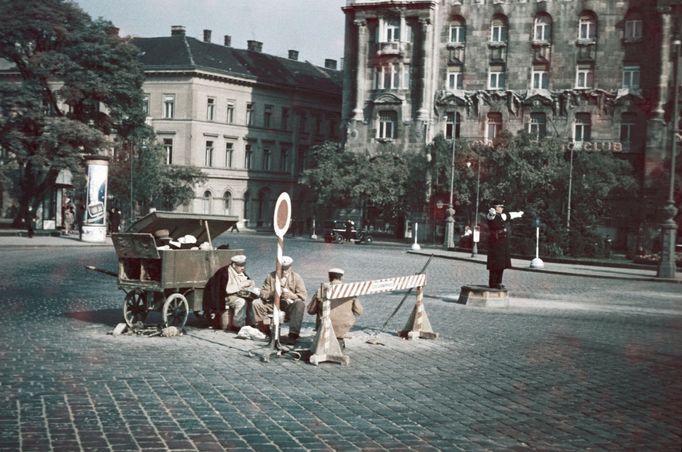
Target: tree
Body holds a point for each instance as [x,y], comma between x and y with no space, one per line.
[376,183]
[76,84]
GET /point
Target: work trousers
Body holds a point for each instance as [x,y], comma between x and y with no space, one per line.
[293,309]
[495,278]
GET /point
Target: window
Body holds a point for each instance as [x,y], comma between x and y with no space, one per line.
[453,121]
[145,104]
[537,127]
[168,150]
[208,155]
[230,112]
[266,159]
[406,76]
[227,200]
[584,77]
[285,118]
[633,30]
[168,106]
[539,79]
[631,77]
[494,126]
[248,156]
[391,31]
[498,30]
[208,196]
[229,154]
[455,80]
[628,125]
[284,159]
[249,113]
[387,76]
[457,33]
[496,78]
[386,129]
[267,116]
[583,127]
[542,29]
[210,109]
[587,28]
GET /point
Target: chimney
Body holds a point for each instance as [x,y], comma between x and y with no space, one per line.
[177,30]
[255,46]
[330,64]
[293,55]
[228,41]
[207,35]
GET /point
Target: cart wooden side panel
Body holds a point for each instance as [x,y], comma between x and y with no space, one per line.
[191,268]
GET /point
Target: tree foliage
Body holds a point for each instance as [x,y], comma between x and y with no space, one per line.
[77,82]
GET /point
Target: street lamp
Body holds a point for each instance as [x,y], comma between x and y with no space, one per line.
[667,266]
[474,248]
[450,220]
[132,206]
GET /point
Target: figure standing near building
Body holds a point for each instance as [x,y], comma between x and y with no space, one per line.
[499,255]
[115,220]
[69,212]
[292,300]
[80,217]
[349,229]
[343,311]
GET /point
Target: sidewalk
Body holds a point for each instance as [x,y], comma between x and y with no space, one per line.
[590,269]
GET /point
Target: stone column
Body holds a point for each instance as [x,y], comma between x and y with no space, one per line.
[358,111]
[427,61]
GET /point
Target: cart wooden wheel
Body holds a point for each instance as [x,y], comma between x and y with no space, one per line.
[175,311]
[135,307]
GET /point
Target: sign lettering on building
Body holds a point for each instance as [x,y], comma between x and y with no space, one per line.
[596,146]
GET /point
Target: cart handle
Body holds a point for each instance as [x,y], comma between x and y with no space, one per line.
[208,233]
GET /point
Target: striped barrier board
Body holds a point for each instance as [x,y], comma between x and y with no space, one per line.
[355,289]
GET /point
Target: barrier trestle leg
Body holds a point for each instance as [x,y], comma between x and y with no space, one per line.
[325,345]
[418,325]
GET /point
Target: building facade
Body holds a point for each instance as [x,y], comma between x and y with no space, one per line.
[597,74]
[247,119]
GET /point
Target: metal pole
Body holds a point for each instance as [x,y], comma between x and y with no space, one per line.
[570,185]
[132,207]
[667,266]
[474,249]
[450,220]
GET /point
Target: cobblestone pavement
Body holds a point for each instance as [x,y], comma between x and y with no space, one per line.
[574,363]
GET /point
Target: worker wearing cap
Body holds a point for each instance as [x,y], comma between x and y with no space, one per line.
[343,311]
[499,255]
[291,301]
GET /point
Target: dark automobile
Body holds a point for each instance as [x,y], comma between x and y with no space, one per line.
[336,231]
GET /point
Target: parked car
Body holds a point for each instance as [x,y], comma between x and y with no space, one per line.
[336,231]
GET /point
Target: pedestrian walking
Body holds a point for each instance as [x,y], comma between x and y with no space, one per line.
[499,255]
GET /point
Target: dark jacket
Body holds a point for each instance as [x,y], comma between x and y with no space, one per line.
[213,301]
[499,255]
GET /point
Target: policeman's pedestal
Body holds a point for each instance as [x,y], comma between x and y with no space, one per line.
[483,296]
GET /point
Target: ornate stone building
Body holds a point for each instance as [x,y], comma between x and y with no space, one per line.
[595,73]
[246,118]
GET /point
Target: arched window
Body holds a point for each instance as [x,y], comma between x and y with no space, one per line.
[457,32]
[227,200]
[208,197]
[587,27]
[542,28]
[498,29]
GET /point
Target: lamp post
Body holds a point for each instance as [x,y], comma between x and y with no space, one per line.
[570,186]
[667,266]
[474,248]
[450,220]
[132,206]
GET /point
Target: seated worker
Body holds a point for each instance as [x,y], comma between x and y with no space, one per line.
[343,311]
[228,295]
[292,300]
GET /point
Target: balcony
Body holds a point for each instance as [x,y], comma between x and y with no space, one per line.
[391,48]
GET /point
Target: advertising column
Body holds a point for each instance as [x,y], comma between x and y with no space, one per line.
[94,223]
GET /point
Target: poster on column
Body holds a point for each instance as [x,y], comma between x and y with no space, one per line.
[94,224]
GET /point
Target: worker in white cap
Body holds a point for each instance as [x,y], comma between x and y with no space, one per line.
[291,301]
[343,311]
[240,290]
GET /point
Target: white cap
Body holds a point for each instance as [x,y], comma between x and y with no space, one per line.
[287,261]
[336,270]
[239,259]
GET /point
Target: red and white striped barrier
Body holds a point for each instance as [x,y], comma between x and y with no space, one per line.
[326,347]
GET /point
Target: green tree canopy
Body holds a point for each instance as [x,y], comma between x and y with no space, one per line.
[72,82]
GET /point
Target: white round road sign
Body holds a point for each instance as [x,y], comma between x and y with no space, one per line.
[282,216]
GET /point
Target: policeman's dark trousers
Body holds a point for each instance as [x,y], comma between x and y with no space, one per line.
[495,278]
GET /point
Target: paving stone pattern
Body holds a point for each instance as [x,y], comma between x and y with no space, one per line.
[573,364]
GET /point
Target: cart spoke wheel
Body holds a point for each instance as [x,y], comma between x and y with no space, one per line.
[175,311]
[135,307]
